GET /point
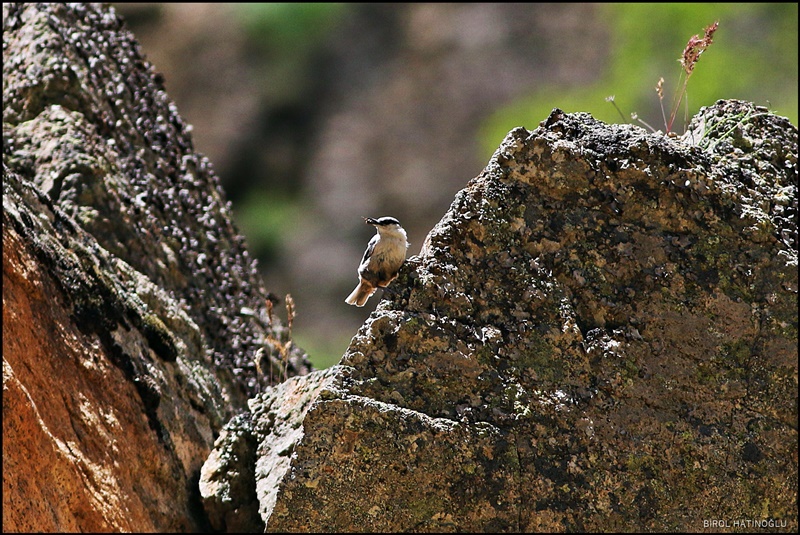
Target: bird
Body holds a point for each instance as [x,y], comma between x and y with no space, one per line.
[385,253]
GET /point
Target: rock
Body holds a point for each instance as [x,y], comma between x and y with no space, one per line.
[599,335]
[228,477]
[132,312]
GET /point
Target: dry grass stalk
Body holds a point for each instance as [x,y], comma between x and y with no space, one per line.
[691,55]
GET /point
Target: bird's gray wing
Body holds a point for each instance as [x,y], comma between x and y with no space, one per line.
[370,248]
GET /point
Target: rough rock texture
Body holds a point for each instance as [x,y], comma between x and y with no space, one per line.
[132,313]
[257,446]
[600,334]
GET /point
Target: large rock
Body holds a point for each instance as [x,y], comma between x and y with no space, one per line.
[600,334]
[132,314]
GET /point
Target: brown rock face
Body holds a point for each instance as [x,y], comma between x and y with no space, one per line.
[600,334]
[79,453]
[132,314]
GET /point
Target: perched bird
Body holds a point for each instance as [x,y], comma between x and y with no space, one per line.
[385,253]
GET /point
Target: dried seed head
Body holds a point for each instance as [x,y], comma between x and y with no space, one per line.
[695,47]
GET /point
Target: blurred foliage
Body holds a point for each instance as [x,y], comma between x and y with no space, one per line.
[323,352]
[286,37]
[290,28]
[754,57]
[288,41]
[266,218]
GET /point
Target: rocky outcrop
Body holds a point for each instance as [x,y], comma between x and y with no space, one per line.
[599,335]
[132,314]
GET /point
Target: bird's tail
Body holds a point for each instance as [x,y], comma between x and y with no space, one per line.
[359,296]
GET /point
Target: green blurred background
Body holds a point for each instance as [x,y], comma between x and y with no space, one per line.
[753,57]
[316,115]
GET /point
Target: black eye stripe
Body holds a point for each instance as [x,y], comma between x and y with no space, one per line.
[386,221]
